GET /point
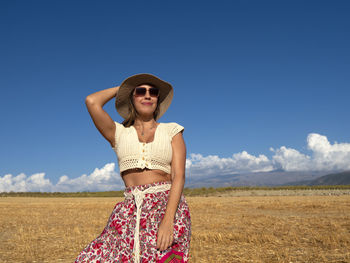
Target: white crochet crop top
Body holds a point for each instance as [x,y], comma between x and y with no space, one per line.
[132,153]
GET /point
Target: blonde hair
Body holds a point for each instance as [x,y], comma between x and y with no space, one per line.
[132,111]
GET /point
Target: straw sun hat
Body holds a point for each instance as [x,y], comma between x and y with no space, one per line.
[122,97]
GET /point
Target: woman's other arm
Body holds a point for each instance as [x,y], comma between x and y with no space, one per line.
[165,232]
[103,122]
[178,165]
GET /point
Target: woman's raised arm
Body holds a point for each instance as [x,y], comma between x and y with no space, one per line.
[103,122]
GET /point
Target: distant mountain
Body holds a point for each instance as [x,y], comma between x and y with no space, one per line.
[329,179]
[273,178]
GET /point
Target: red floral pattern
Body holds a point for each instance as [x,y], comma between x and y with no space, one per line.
[116,242]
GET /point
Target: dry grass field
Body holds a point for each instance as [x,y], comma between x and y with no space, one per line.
[231,228]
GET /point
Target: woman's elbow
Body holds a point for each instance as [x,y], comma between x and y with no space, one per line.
[89,100]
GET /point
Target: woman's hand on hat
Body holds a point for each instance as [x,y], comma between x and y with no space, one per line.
[165,235]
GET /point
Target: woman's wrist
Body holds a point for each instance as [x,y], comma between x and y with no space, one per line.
[168,218]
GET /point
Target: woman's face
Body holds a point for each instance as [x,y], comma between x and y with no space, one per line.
[145,104]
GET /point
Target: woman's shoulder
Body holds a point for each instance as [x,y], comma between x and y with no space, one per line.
[173,128]
[171,125]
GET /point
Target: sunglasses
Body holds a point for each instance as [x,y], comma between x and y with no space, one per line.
[140,91]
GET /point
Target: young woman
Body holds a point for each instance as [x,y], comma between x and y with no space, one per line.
[152,223]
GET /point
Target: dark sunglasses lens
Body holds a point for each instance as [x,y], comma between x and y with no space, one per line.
[140,91]
[154,92]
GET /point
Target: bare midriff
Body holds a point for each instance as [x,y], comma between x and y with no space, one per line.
[138,176]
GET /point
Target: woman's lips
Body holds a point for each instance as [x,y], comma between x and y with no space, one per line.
[147,103]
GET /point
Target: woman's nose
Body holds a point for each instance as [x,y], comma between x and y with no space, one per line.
[147,94]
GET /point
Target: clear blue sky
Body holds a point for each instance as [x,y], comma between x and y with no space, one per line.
[247,76]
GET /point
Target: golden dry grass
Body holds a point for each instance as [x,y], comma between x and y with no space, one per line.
[224,229]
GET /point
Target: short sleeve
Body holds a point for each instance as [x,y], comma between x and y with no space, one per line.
[118,129]
[175,129]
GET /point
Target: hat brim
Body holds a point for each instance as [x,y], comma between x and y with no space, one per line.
[122,97]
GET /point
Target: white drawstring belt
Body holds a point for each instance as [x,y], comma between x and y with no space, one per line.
[139,196]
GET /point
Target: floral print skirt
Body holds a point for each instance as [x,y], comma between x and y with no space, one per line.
[131,231]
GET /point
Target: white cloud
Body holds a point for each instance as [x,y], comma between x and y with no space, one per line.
[242,162]
[104,179]
[20,183]
[289,159]
[324,157]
